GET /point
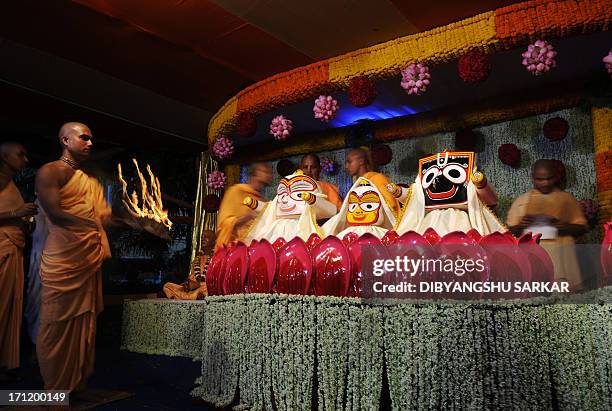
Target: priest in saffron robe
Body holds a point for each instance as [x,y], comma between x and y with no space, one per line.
[233,217]
[12,239]
[554,213]
[359,164]
[71,263]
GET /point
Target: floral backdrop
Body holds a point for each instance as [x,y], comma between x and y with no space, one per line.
[576,151]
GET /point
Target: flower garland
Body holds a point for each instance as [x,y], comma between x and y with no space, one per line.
[509,154]
[217,180]
[328,165]
[484,355]
[608,63]
[246,125]
[555,129]
[325,108]
[539,57]
[415,79]
[281,128]
[362,92]
[381,154]
[223,148]
[474,67]
[497,30]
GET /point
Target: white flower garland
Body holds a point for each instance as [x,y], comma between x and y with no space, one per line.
[276,351]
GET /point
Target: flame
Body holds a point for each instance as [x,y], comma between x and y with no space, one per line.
[150,204]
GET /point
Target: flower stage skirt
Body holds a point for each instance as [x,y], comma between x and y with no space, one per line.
[302,352]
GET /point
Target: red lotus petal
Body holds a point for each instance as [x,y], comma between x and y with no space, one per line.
[458,245]
[350,238]
[432,236]
[313,240]
[294,268]
[262,267]
[414,246]
[456,237]
[278,244]
[332,267]
[508,263]
[355,252]
[216,271]
[474,235]
[236,266]
[511,237]
[390,237]
[528,238]
[542,267]
[497,238]
[412,238]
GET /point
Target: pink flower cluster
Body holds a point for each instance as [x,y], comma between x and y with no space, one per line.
[327,165]
[217,180]
[608,62]
[415,78]
[539,57]
[223,148]
[281,127]
[325,108]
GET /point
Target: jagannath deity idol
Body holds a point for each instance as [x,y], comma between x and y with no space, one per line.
[364,210]
[449,194]
[294,212]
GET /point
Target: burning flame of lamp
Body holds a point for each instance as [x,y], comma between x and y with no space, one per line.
[150,204]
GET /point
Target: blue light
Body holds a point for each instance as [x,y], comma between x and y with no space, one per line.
[348,116]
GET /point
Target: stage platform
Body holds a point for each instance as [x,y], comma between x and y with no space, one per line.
[302,352]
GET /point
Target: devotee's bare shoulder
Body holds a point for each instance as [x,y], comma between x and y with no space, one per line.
[55,173]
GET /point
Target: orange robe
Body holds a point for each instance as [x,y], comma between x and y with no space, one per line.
[381,181]
[564,207]
[195,288]
[12,241]
[230,210]
[72,287]
[332,193]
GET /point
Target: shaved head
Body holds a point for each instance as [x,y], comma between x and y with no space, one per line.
[311,165]
[72,129]
[7,147]
[358,161]
[76,140]
[544,176]
[13,156]
[543,164]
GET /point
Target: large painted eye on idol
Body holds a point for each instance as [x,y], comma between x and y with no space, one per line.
[429,176]
[296,195]
[352,207]
[370,206]
[455,173]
